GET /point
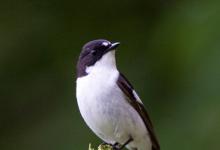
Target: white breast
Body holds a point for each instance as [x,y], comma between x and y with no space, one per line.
[94,92]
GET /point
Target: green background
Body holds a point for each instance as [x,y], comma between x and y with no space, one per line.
[170,51]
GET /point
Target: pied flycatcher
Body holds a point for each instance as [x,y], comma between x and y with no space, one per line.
[107,101]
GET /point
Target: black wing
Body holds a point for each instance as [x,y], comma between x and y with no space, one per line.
[127,88]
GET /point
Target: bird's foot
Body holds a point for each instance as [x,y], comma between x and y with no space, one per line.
[126,143]
[117,146]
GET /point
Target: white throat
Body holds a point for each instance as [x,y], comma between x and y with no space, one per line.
[107,62]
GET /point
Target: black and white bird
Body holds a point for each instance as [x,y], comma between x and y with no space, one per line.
[107,101]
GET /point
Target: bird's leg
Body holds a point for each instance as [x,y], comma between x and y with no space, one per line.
[116,146]
[126,143]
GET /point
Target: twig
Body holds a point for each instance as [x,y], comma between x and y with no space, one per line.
[102,147]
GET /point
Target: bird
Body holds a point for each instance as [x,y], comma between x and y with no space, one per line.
[107,101]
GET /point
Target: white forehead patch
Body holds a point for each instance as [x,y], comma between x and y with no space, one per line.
[105,43]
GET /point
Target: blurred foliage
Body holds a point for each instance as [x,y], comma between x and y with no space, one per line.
[170,51]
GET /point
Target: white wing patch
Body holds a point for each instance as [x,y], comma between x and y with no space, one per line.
[105,43]
[137,97]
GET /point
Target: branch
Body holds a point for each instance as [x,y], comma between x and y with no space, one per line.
[102,147]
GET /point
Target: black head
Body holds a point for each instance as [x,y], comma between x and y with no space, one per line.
[92,52]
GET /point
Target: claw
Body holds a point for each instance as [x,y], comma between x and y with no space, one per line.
[117,146]
[126,143]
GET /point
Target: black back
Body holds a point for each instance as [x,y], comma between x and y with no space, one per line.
[127,89]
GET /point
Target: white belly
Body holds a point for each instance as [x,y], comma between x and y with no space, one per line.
[106,111]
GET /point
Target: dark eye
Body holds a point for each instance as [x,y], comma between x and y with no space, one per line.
[93,52]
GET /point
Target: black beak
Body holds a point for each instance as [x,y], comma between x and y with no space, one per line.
[114,46]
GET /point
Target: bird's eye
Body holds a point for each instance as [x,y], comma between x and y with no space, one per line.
[93,52]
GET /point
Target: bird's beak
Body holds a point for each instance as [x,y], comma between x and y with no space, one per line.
[114,46]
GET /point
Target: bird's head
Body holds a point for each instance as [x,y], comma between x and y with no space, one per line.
[97,53]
